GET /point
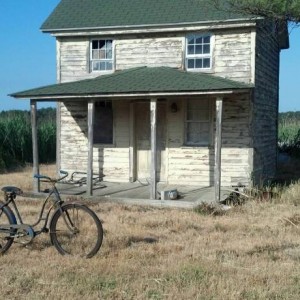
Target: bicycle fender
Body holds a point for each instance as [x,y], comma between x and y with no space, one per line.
[75,203]
[10,212]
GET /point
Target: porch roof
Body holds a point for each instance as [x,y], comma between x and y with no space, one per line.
[142,81]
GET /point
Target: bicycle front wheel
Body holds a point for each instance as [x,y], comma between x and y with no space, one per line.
[76,230]
[6,233]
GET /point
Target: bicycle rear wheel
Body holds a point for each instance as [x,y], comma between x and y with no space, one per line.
[6,218]
[76,230]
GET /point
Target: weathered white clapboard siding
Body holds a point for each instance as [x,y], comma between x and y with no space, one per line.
[232,55]
[265,114]
[112,161]
[73,60]
[195,165]
[116,158]
[151,52]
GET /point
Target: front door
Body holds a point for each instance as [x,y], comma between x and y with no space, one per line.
[143,141]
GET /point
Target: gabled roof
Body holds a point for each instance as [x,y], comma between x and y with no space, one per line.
[93,14]
[137,81]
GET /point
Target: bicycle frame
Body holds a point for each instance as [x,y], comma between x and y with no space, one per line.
[57,202]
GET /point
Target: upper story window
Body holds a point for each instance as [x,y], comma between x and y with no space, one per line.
[102,55]
[198,52]
[198,124]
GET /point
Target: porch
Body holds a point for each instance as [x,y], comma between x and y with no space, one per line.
[155,86]
[139,193]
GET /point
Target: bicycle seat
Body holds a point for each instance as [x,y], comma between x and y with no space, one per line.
[12,190]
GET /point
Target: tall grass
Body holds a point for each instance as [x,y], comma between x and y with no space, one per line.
[289,133]
[16,138]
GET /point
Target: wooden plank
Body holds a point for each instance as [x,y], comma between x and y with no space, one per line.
[35,151]
[218,148]
[91,114]
[153,120]
[132,145]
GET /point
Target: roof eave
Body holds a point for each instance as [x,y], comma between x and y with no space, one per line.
[59,97]
[252,20]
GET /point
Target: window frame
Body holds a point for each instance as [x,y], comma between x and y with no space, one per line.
[97,143]
[92,60]
[199,56]
[209,121]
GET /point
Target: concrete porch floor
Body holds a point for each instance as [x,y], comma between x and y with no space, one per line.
[139,193]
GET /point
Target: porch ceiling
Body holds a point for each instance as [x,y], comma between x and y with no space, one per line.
[136,82]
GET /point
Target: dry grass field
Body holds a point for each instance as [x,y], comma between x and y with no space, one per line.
[249,252]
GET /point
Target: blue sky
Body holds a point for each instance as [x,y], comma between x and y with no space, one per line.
[27,56]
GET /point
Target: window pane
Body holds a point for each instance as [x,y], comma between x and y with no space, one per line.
[197,133]
[109,54]
[102,66]
[206,49]
[101,44]
[109,44]
[191,64]
[95,45]
[204,128]
[197,115]
[198,122]
[199,49]
[95,54]
[199,63]
[198,104]
[109,65]
[101,54]
[206,39]
[193,133]
[190,115]
[96,66]
[191,50]
[191,40]
[199,40]
[206,63]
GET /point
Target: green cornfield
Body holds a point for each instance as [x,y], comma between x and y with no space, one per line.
[16,137]
[289,133]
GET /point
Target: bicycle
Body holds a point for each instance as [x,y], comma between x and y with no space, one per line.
[74,228]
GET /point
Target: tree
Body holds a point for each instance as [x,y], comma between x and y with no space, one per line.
[280,10]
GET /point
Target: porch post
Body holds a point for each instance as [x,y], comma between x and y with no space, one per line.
[89,182]
[218,147]
[58,138]
[153,120]
[132,145]
[35,150]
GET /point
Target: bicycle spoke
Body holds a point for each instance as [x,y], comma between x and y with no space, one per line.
[76,231]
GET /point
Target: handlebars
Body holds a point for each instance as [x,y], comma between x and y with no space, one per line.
[47,178]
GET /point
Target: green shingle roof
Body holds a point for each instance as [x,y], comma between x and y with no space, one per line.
[143,80]
[88,14]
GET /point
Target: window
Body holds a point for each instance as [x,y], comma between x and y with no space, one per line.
[103,124]
[101,55]
[198,122]
[198,52]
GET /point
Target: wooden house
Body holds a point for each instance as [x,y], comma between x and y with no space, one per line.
[164,91]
